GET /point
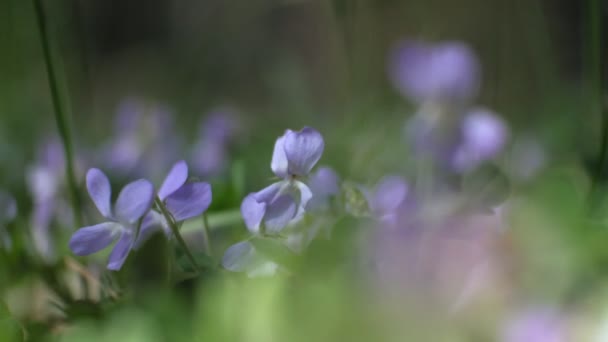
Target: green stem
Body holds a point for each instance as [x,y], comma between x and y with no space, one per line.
[176,233]
[206,234]
[60,115]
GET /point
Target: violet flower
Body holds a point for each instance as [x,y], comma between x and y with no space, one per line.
[484,135]
[133,202]
[387,198]
[446,72]
[269,210]
[535,325]
[8,212]
[183,200]
[210,152]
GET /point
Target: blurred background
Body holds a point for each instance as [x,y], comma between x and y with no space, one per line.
[276,64]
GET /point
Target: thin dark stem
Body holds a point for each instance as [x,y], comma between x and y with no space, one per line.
[60,115]
[206,234]
[176,233]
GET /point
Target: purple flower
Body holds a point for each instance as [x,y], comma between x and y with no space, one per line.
[484,135]
[133,202]
[8,212]
[535,325]
[269,210]
[446,72]
[210,152]
[324,183]
[183,200]
[387,198]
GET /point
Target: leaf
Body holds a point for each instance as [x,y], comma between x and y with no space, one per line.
[10,329]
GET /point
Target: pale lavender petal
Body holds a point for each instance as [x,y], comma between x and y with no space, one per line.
[303,150]
[152,223]
[279,213]
[279,164]
[269,193]
[239,257]
[324,182]
[447,71]
[253,213]
[535,325]
[189,201]
[91,239]
[174,180]
[8,207]
[304,195]
[121,251]
[100,191]
[389,194]
[484,133]
[134,201]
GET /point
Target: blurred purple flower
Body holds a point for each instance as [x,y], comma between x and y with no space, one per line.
[183,201]
[484,134]
[143,139]
[210,152]
[387,198]
[133,202]
[535,325]
[8,212]
[274,207]
[445,72]
[324,184]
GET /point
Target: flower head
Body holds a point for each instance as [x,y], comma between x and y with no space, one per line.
[274,207]
[441,72]
[183,200]
[133,202]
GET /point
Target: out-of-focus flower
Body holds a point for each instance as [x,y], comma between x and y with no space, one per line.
[143,139]
[295,153]
[183,200]
[210,152]
[324,184]
[8,212]
[535,325]
[446,72]
[133,202]
[387,198]
[484,135]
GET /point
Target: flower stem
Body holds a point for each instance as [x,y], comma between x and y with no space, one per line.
[206,234]
[60,114]
[176,233]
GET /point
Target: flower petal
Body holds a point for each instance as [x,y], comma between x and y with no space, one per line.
[389,194]
[269,193]
[303,150]
[91,239]
[253,213]
[134,201]
[189,201]
[279,164]
[279,213]
[121,251]
[152,222]
[174,180]
[100,191]
[242,257]
[324,182]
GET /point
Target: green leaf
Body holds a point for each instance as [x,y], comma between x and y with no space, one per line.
[10,329]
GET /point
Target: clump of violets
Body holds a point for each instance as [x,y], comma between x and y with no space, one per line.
[269,211]
[8,212]
[123,220]
[442,79]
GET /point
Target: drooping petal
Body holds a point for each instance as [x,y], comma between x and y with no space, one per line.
[303,150]
[174,180]
[91,239]
[100,191]
[253,213]
[280,213]
[324,182]
[242,257]
[134,201]
[279,164]
[269,193]
[189,201]
[303,197]
[152,223]
[121,251]
[389,194]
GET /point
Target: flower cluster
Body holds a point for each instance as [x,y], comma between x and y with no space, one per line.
[132,219]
